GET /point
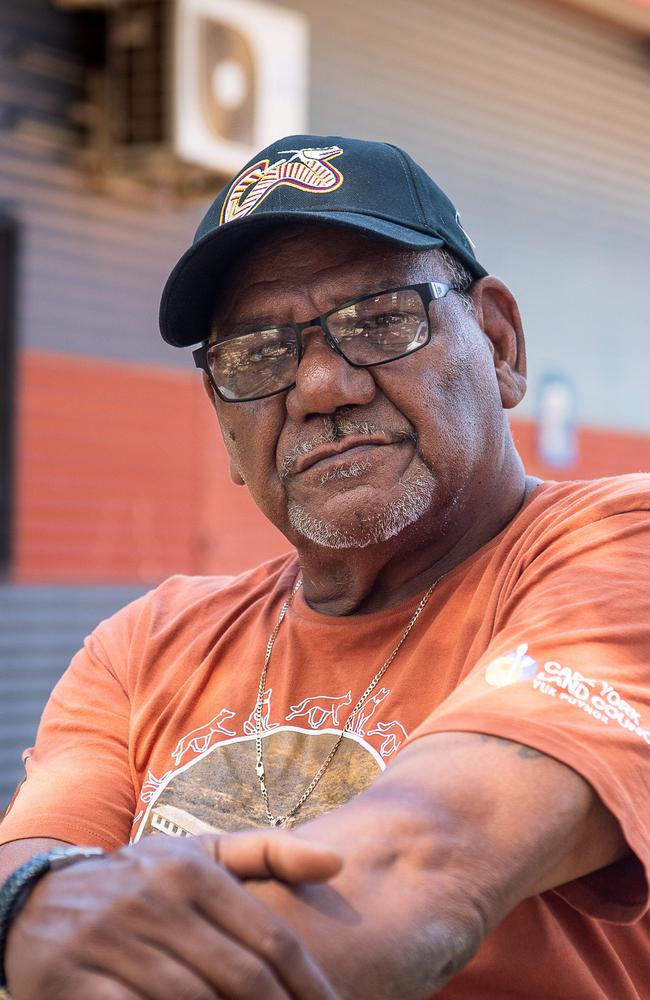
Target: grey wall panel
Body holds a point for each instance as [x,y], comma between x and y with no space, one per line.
[41,627]
[92,265]
[534,116]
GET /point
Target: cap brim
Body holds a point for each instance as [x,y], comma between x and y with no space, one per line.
[188,298]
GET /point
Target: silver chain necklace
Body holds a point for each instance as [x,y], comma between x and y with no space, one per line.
[259,766]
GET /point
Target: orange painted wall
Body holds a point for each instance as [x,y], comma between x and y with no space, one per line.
[118,471]
[121,475]
[601,452]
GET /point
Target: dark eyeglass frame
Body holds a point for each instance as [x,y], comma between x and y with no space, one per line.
[428,291]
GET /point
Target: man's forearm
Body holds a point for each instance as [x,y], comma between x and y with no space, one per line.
[428,868]
[428,861]
[404,914]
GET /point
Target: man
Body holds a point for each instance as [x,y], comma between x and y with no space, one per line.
[442,692]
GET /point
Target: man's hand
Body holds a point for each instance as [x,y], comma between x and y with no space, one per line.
[164,920]
[429,863]
[429,871]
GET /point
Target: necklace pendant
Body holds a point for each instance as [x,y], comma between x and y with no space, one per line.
[276,821]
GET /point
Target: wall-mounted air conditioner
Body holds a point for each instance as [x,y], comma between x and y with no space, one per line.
[240,79]
[193,88]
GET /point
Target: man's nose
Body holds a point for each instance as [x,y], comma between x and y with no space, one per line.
[325,381]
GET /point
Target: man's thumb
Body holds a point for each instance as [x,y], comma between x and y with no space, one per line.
[276,854]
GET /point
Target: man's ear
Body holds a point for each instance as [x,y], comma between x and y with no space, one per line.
[235,474]
[498,315]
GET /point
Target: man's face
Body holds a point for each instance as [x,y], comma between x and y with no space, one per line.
[352,457]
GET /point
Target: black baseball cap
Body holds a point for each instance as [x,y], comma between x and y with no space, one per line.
[370,187]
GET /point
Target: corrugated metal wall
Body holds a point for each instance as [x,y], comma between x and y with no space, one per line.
[40,629]
[92,265]
[535,118]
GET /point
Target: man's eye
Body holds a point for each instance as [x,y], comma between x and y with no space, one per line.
[383,323]
[266,352]
[393,319]
[244,359]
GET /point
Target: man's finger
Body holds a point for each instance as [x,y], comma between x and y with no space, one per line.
[228,905]
[276,854]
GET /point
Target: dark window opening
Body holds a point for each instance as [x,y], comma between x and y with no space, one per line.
[8,247]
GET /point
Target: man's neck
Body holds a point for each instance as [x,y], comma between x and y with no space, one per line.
[358,581]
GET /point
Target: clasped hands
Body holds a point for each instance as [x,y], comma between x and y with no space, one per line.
[169,919]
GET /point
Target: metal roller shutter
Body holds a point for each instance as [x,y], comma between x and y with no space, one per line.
[534,117]
[40,630]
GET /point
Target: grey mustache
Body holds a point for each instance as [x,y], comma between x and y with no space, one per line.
[334,429]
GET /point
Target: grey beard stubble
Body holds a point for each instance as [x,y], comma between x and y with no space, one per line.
[378,527]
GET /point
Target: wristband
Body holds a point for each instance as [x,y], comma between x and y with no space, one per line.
[16,889]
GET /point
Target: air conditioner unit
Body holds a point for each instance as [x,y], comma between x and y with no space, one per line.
[195,87]
[240,79]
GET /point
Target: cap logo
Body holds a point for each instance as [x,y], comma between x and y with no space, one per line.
[305,169]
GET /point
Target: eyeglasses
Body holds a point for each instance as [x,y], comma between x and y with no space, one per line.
[256,361]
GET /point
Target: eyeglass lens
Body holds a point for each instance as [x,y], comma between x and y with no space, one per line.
[374,330]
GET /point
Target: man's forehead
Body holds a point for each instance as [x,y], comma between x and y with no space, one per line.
[299,255]
[318,241]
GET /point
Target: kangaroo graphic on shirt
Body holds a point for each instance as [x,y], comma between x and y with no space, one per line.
[366,712]
[200,738]
[319,709]
[249,726]
[394,735]
[151,785]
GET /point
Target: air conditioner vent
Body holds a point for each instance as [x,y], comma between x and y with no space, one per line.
[192,88]
[137,73]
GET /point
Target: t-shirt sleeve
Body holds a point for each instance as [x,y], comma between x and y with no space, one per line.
[568,672]
[78,786]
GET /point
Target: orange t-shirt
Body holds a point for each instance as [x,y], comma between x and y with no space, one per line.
[542,636]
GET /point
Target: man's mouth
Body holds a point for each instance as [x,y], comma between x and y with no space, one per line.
[349,449]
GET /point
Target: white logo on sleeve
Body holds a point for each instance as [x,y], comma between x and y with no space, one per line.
[512,667]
